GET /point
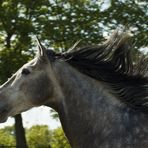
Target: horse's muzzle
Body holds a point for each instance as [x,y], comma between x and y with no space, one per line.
[3,114]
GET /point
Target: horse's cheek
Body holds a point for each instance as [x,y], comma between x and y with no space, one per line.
[39,91]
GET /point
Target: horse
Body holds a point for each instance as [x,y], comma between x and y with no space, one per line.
[99,92]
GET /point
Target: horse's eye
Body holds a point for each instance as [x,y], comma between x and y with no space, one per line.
[25,71]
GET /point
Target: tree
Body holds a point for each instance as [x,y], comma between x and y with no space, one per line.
[20,132]
[39,137]
[58,139]
[132,14]
[70,21]
[7,136]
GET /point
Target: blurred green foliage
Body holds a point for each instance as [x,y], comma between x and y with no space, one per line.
[58,139]
[38,136]
[7,136]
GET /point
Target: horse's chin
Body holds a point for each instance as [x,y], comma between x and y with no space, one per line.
[4,114]
[3,119]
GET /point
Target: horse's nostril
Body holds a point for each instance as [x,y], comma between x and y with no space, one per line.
[2,111]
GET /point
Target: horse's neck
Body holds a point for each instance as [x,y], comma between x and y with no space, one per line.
[89,113]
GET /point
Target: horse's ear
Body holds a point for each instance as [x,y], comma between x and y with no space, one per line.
[41,49]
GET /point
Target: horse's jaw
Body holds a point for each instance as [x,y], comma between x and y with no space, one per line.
[4,114]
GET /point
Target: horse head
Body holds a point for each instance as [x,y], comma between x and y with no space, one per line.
[32,85]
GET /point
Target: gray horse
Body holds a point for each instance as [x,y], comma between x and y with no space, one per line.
[100,94]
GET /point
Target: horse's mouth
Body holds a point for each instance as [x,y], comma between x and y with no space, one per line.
[3,115]
[3,119]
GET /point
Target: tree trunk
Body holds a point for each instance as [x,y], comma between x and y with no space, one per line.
[20,132]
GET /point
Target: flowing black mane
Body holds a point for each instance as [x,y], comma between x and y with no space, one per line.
[112,64]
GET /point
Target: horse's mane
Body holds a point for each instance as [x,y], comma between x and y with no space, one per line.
[111,63]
